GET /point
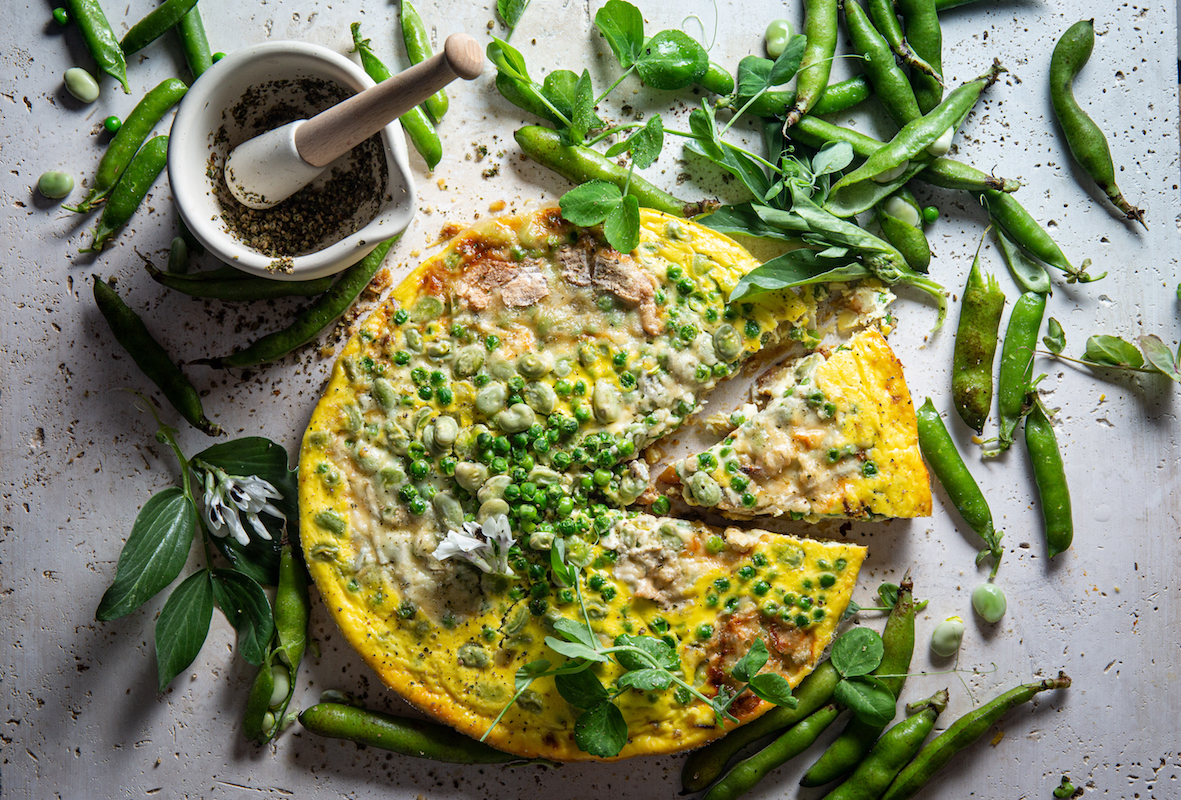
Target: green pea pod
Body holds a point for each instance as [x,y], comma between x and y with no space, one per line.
[414,122]
[963,732]
[837,97]
[178,256]
[941,172]
[1016,223]
[256,727]
[891,753]
[820,28]
[1016,369]
[292,607]
[1029,274]
[849,748]
[235,285]
[1050,476]
[909,239]
[141,173]
[717,79]
[581,164]
[418,48]
[944,5]
[410,737]
[975,347]
[155,25]
[915,137]
[151,358]
[885,20]
[798,738]
[130,138]
[890,83]
[926,40]
[704,765]
[940,452]
[100,39]
[1086,141]
[194,42]
[319,315]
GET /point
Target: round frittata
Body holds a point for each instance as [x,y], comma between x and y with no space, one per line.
[468,480]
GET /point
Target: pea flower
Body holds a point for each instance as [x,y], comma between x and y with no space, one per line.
[486,546]
[228,496]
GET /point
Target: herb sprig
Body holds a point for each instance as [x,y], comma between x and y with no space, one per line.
[648,664]
[233,474]
[1103,352]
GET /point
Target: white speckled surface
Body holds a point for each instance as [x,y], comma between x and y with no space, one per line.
[81,716]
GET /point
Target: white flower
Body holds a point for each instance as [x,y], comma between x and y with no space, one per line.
[486,546]
[227,496]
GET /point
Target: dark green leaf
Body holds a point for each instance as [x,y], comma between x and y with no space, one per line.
[560,88]
[581,689]
[259,558]
[788,63]
[1161,357]
[833,157]
[672,60]
[656,653]
[1055,338]
[645,680]
[753,72]
[528,672]
[154,554]
[795,268]
[246,607]
[622,226]
[255,455]
[510,11]
[590,203]
[584,108]
[645,144]
[601,731]
[508,60]
[774,689]
[857,652]
[574,649]
[743,219]
[888,594]
[1112,351]
[183,626]
[868,698]
[749,665]
[622,25]
[733,161]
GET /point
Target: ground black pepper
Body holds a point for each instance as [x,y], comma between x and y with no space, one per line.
[334,206]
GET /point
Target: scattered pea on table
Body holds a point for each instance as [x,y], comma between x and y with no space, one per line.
[989,601]
[778,33]
[947,637]
[55,185]
[61,16]
[112,124]
[81,85]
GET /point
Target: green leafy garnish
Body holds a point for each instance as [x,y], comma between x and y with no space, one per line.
[602,203]
[510,11]
[1158,355]
[1112,351]
[858,652]
[867,697]
[183,625]
[622,25]
[1055,338]
[644,145]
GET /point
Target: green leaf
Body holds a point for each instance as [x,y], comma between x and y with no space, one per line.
[601,731]
[581,689]
[1112,351]
[529,672]
[246,607]
[622,226]
[564,574]
[256,455]
[744,220]
[656,653]
[645,680]
[644,145]
[753,72]
[795,268]
[510,11]
[574,649]
[672,60]
[584,108]
[155,553]
[832,157]
[1161,357]
[749,665]
[622,25]
[183,626]
[1055,338]
[560,88]
[788,63]
[888,594]
[590,203]
[868,698]
[857,652]
[774,689]
[573,631]
[508,60]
